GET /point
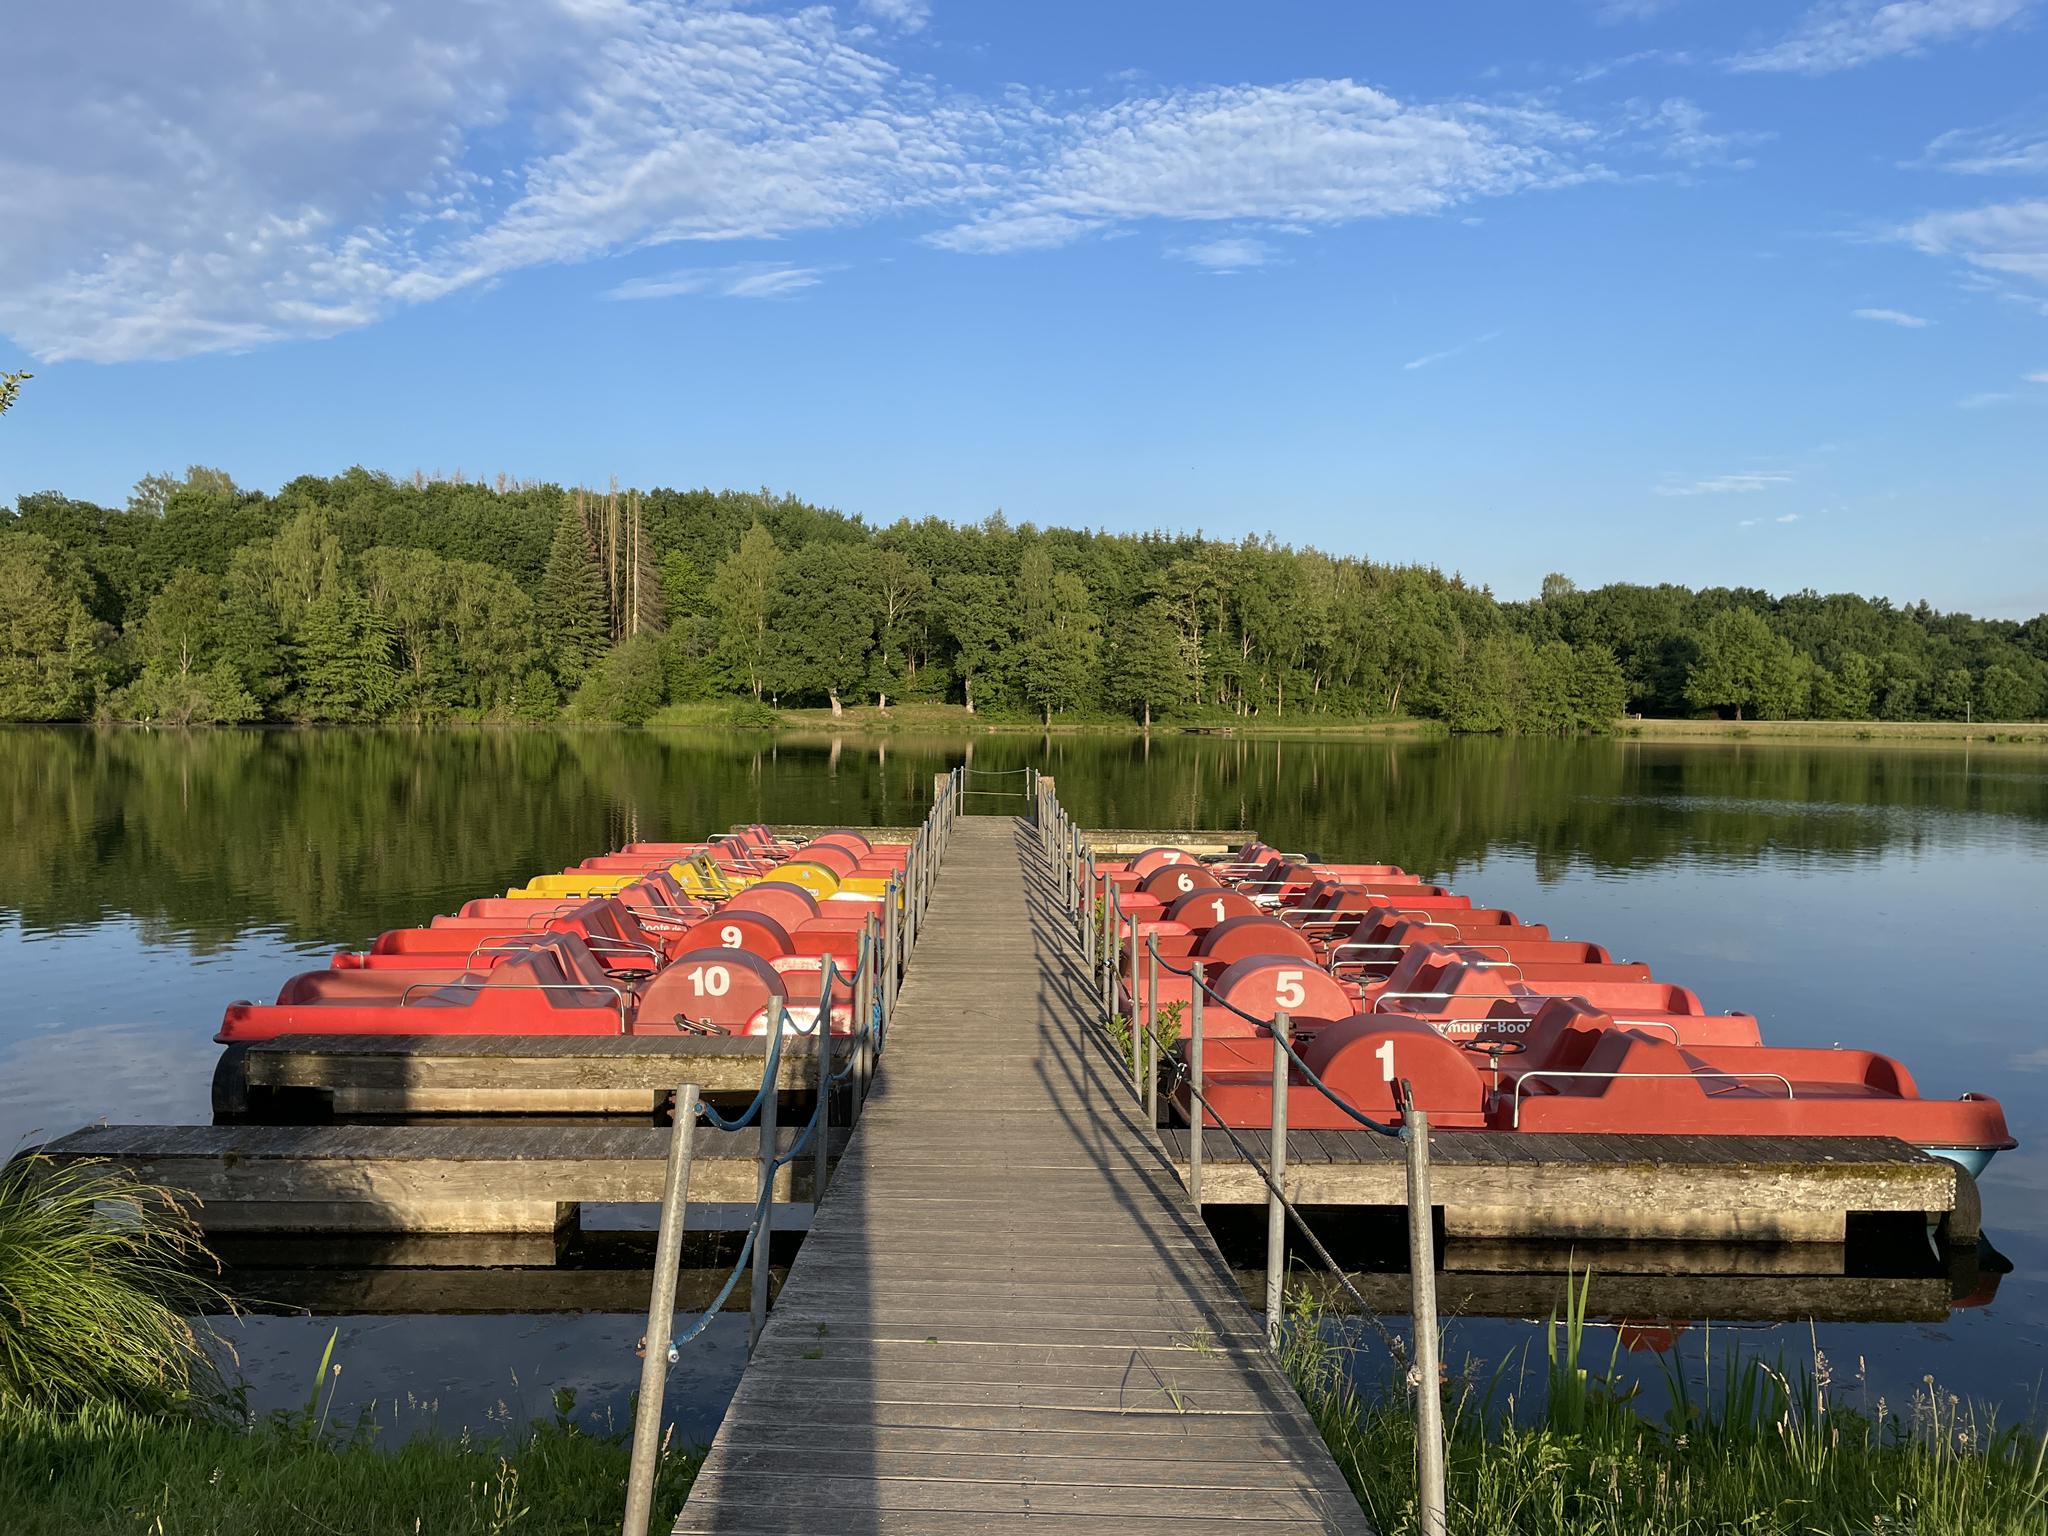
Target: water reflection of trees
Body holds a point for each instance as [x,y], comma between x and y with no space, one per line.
[335,834]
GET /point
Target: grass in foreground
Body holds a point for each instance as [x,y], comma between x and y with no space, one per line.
[98,1274]
[1766,1452]
[109,1469]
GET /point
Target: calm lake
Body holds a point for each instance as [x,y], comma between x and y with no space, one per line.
[1889,898]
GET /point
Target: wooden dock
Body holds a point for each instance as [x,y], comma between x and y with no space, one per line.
[1524,1184]
[497,1074]
[458,1178]
[1007,1314]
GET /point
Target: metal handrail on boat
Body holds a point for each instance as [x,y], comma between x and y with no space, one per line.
[1527,1077]
[404,998]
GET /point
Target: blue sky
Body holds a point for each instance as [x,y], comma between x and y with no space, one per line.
[1693,290]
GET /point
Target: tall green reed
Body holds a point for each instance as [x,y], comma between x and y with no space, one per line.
[100,1275]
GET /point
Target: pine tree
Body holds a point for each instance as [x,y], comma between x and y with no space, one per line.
[574,613]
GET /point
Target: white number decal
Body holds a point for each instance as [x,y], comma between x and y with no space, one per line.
[1287,989]
[1386,1056]
[1172,857]
[730,935]
[710,980]
[1184,883]
[1216,906]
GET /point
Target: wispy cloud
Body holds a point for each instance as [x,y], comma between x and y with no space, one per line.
[2003,240]
[1847,34]
[1430,359]
[1984,398]
[747,280]
[1613,11]
[1311,152]
[1896,317]
[1743,483]
[2038,378]
[1790,517]
[2003,151]
[1232,253]
[1754,522]
[376,158]
[910,15]
[1678,128]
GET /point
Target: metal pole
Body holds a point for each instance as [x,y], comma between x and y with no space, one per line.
[1276,1209]
[1108,942]
[757,1296]
[863,1020]
[1195,1112]
[1429,1400]
[661,1313]
[1088,951]
[889,948]
[1131,979]
[819,1171]
[1152,1026]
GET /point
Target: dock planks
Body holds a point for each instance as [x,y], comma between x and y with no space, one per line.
[1007,1316]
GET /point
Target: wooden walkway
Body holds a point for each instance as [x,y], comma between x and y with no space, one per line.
[1007,1316]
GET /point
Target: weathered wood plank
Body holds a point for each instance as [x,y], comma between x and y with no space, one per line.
[1007,1313]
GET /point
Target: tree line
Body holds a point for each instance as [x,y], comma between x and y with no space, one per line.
[360,597]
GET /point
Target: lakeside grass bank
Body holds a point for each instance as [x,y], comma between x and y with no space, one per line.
[1873,732]
[917,719]
[106,1469]
[1757,1448]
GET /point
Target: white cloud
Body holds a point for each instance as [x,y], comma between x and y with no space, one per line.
[1985,397]
[1743,483]
[1896,317]
[1789,517]
[1846,34]
[1232,253]
[1611,11]
[1986,152]
[357,166]
[2038,378]
[370,158]
[1312,152]
[2004,240]
[1678,129]
[747,280]
[1430,358]
[910,15]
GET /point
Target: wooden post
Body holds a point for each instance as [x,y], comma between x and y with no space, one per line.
[661,1314]
[1196,1114]
[757,1296]
[1429,1398]
[1276,1208]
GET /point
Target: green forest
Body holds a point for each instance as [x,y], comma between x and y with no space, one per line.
[361,597]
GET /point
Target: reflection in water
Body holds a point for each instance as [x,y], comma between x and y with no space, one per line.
[1884,897]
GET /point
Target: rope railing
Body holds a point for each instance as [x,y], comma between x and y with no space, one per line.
[1100,931]
[881,957]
